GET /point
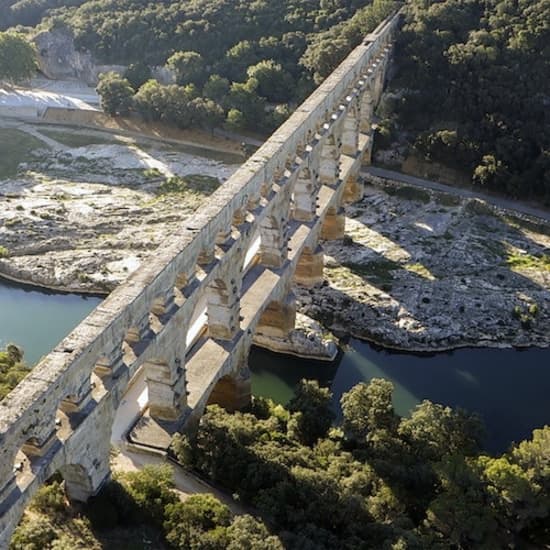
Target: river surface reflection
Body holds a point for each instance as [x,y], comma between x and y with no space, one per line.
[37,320]
[509,388]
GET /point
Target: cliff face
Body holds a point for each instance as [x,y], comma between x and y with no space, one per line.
[59,59]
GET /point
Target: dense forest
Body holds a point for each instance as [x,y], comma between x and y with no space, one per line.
[471,85]
[375,480]
[243,63]
[473,90]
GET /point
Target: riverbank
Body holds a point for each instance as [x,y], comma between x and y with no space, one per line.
[81,210]
[423,271]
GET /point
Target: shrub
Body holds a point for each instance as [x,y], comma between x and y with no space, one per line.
[49,499]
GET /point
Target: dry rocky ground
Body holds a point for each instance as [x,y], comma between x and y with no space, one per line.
[419,271]
[425,271]
[80,210]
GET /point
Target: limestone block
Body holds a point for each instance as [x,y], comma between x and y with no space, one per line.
[309,270]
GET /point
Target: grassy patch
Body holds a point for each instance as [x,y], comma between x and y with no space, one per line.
[518,261]
[78,140]
[15,148]
[409,193]
[193,183]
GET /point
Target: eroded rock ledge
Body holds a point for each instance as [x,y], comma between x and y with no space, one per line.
[424,271]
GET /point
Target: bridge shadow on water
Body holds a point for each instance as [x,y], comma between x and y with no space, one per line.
[471,277]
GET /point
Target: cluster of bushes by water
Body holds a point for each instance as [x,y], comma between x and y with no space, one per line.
[375,480]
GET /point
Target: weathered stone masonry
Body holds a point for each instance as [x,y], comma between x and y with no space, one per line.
[289,196]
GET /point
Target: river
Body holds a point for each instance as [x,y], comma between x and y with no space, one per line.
[508,388]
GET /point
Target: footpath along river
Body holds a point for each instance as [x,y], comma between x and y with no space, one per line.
[509,388]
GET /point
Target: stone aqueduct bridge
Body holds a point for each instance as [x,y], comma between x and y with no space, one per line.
[238,256]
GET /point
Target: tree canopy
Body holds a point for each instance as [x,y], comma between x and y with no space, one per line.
[376,480]
[474,76]
[17,57]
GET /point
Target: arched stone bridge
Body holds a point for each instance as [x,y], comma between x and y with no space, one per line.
[237,258]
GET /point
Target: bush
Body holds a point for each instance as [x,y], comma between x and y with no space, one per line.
[33,534]
[49,499]
[198,522]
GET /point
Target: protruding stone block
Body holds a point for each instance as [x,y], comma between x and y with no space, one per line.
[305,196]
[110,363]
[39,446]
[223,309]
[353,190]
[350,134]
[273,245]
[310,267]
[166,389]
[333,225]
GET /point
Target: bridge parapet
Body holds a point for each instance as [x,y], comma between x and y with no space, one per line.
[235,259]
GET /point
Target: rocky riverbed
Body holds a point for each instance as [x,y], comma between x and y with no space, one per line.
[417,270]
[80,211]
[424,271]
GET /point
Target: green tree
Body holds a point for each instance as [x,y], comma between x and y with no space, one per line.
[247,533]
[216,88]
[151,490]
[205,113]
[17,58]
[198,522]
[12,369]
[367,408]
[312,413]
[189,67]
[434,431]
[274,83]
[116,94]
[235,120]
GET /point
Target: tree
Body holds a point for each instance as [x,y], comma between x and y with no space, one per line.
[367,408]
[244,97]
[247,533]
[274,83]
[312,414]
[189,67]
[137,74]
[17,58]
[216,88]
[198,522]
[434,431]
[116,94]
[151,490]
[235,120]
[205,113]
[151,100]
[460,514]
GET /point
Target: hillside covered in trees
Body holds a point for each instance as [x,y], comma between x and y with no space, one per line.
[245,63]
[473,85]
